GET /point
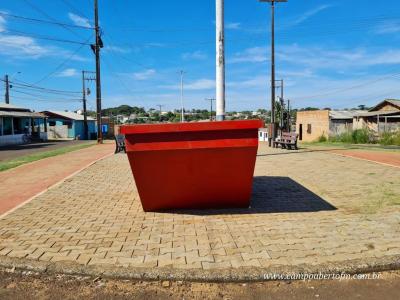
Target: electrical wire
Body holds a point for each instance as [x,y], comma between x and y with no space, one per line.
[43,21]
[73,8]
[42,37]
[32,86]
[62,64]
[40,97]
[36,8]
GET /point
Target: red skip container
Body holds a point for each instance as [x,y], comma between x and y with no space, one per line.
[193,165]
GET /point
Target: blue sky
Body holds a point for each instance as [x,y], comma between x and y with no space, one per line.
[330,53]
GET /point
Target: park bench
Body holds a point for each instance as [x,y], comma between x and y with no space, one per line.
[288,141]
[120,143]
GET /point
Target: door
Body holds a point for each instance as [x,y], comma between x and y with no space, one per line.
[301,132]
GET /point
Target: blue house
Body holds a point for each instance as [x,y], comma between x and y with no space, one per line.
[69,125]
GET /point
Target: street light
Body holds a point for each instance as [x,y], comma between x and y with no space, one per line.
[272,67]
[15,74]
[182,107]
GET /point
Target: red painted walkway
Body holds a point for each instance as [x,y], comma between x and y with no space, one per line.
[382,157]
[22,183]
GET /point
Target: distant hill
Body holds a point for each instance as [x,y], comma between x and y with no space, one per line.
[123,110]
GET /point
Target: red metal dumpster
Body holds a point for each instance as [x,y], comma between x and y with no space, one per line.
[193,165]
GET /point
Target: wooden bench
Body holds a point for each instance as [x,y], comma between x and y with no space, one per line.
[288,141]
[120,143]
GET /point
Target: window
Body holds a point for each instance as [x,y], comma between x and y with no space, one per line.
[68,123]
[7,126]
[309,128]
[52,123]
[18,128]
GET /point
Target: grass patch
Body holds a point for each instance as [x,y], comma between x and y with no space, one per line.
[9,164]
[350,146]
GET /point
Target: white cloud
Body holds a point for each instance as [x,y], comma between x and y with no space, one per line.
[68,73]
[78,20]
[317,58]
[21,47]
[254,55]
[116,49]
[335,60]
[197,85]
[308,14]
[388,27]
[2,24]
[144,75]
[197,55]
[201,84]
[24,47]
[232,25]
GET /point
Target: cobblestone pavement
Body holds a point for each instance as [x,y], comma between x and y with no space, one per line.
[308,207]
[24,182]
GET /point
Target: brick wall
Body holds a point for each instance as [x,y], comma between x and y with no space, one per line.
[310,125]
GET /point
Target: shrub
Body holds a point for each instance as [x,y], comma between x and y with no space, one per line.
[322,139]
[390,138]
[359,136]
[362,136]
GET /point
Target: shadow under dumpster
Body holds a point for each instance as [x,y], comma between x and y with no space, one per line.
[273,195]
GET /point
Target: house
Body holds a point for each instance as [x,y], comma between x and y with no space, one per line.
[311,125]
[19,125]
[263,135]
[383,117]
[69,125]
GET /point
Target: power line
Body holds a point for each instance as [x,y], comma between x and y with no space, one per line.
[49,17]
[42,92]
[62,64]
[340,90]
[42,37]
[77,11]
[22,85]
[43,21]
[40,97]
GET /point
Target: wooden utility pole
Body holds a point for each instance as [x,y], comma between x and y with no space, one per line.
[97,46]
[273,123]
[7,88]
[182,106]
[211,106]
[282,102]
[85,123]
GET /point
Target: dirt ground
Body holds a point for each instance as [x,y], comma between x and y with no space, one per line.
[15,285]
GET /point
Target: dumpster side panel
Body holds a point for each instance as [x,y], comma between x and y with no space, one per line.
[198,178]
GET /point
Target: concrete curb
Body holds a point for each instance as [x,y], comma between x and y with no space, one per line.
[245,274]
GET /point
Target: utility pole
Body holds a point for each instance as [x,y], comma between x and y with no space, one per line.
[220,61]
[281,102]
[84,79]
[182,108]
[288,116]
[211,108]
[97,46]
[272,67]
[159,117]
[7,87]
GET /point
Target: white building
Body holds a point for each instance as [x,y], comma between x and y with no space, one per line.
[20,125]
[263,135]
